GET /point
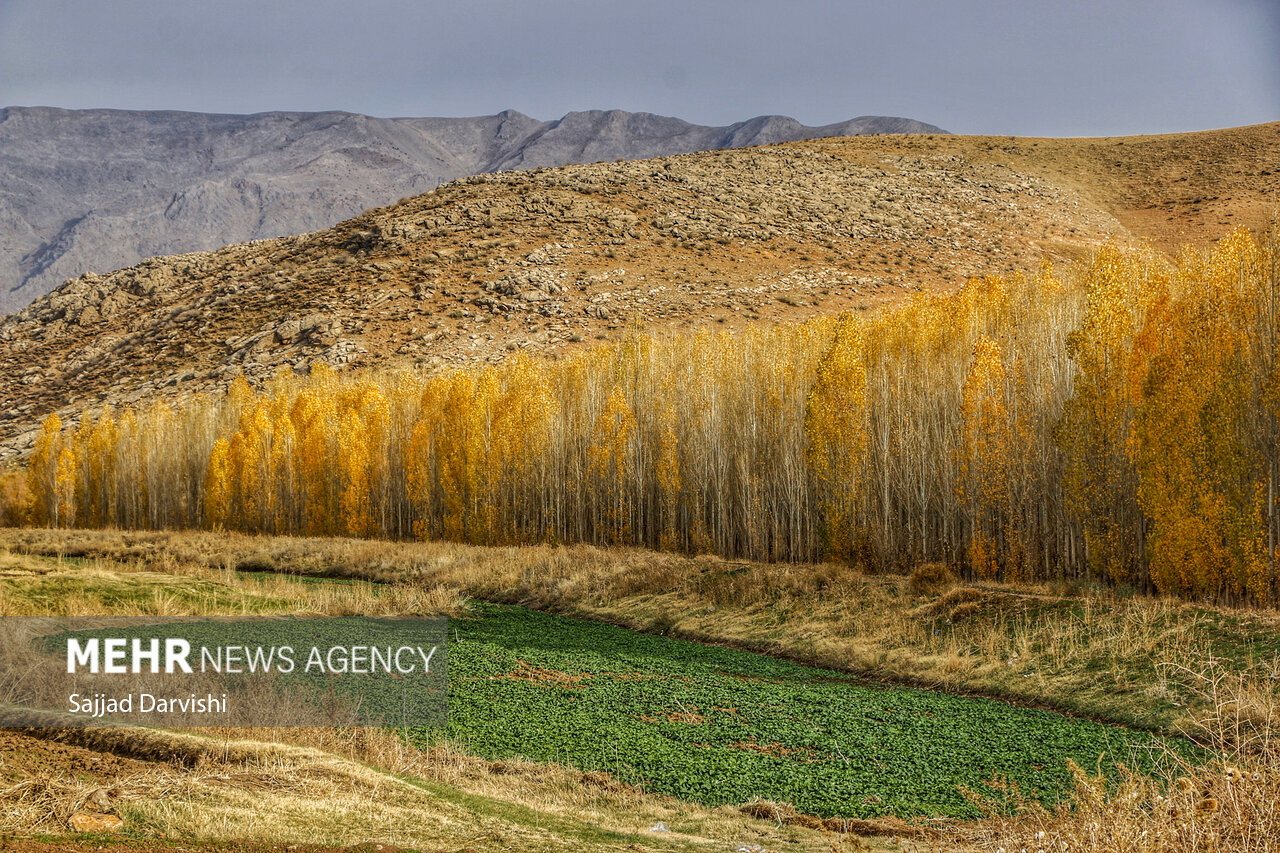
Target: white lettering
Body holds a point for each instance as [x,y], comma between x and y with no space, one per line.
[115,651]
[175,653]
[260,660]
[152,654]
[86,655]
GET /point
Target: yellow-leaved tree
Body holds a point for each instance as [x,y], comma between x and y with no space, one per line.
[42,474]
[1204,441]
[1112,350]
[612,468]
[836,424]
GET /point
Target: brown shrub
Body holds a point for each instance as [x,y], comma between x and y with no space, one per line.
[946,604]
[963,611]
[931,579]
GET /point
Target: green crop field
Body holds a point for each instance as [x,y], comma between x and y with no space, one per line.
[722,726]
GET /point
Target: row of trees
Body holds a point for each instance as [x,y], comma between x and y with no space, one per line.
[1119,425]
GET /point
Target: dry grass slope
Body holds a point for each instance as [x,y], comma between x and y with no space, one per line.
[341,788]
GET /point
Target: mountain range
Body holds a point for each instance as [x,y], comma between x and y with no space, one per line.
[98,190]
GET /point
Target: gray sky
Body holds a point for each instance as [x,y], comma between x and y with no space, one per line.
[1063,68]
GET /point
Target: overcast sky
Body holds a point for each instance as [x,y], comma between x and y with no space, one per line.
[1062,68]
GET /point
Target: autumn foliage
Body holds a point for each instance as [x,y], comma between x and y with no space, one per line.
[1117,425]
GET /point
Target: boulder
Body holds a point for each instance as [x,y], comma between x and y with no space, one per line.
[287,332]
[312,321]
[98,800]
[88,316]
[90,822]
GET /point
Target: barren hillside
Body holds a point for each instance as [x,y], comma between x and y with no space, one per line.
[552,259]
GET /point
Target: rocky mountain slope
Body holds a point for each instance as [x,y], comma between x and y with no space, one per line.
[98,190]
[554,259]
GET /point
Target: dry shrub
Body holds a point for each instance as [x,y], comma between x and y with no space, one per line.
[784,814]
[1242,710]
[956,604]
[961,595]
[931,579]
[963,611]
[1221,807]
